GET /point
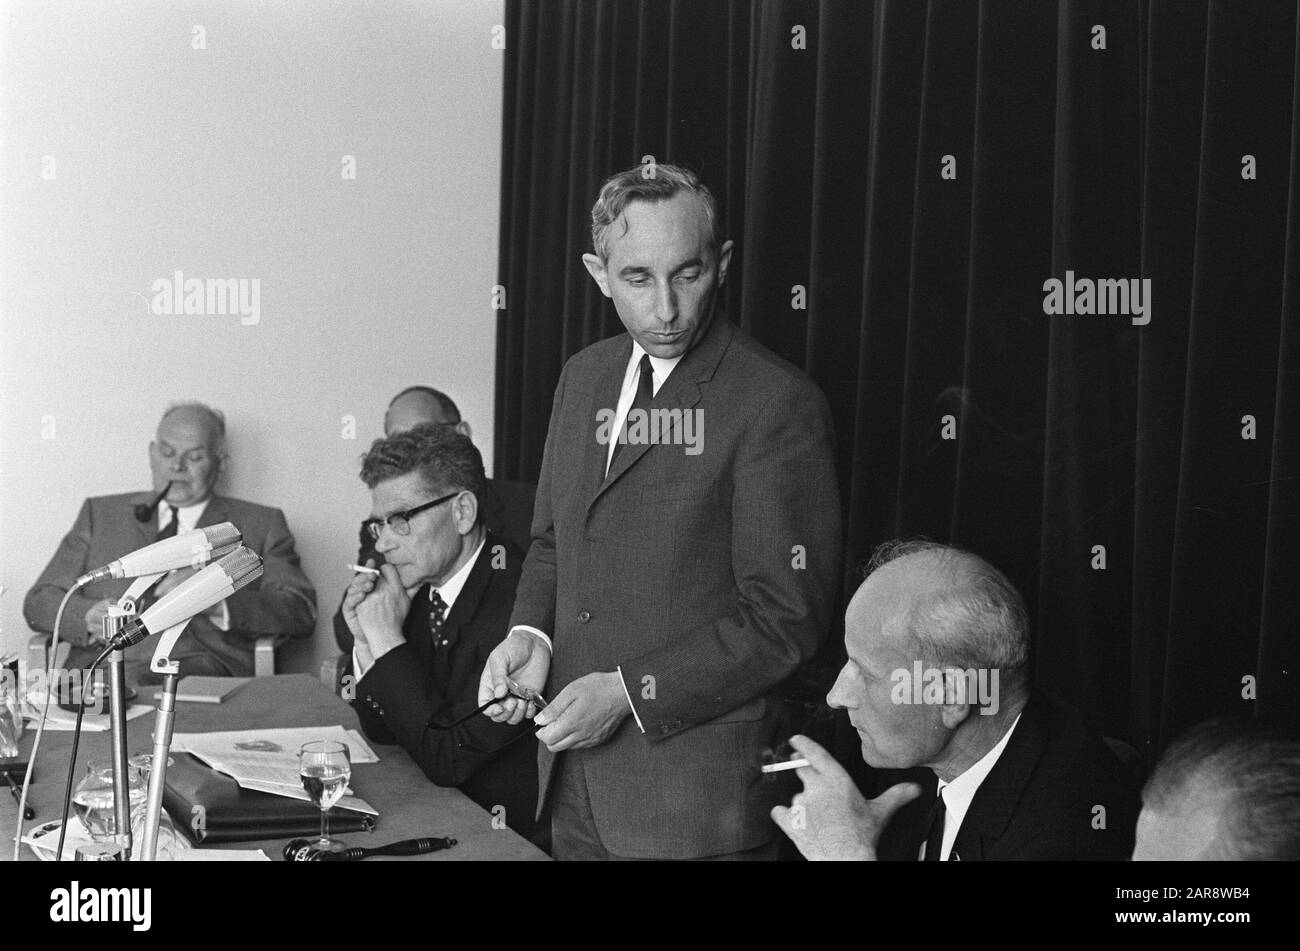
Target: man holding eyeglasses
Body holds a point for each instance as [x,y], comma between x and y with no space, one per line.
[423,627]
[186,457]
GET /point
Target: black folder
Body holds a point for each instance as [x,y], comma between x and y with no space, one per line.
[210,808]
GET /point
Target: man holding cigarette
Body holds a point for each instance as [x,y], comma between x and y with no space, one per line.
[424,624]
[674,584]
[937,678]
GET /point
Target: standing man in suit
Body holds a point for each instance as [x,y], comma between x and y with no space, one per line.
[188,451]
[424,627]
[937,678]
[506,507]
[685,552]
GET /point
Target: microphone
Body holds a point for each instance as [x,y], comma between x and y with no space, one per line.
[145,512]
[183,550]
[304,850]
[192,596]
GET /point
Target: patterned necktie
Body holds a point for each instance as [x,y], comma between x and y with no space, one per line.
[172,527]
[934,839]
[645,392]
[437,615]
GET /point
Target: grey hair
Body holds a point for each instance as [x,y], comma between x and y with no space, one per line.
[1254,773]
[217,417]
[652,183]
[978,621]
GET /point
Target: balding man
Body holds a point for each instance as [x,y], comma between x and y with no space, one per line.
[937,678]
[507,507]
[1229,790]
[188,451]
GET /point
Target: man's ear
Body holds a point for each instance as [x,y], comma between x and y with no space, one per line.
[724,260]
[463,428]
[466,512]
[957,704]
[596,268]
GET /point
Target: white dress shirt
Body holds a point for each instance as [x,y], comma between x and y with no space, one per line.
[449,592]
[957,795]
[187,517]
[627,395]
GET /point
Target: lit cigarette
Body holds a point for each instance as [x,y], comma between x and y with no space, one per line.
[364,571]
[781,767]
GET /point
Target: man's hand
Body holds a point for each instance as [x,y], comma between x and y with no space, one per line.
[584,714]
[524,659]
[375,609]
[95,618]
[830,820]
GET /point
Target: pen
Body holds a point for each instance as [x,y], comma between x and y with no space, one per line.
[364,571]
[28,813]
[788,764]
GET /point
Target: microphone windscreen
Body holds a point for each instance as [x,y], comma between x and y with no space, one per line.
[242,565]
[223,537]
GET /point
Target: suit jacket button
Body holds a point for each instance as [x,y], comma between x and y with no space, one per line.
[584,617]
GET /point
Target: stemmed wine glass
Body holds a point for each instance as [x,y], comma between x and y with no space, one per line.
[325,769]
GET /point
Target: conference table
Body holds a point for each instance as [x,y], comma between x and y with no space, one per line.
[409,805]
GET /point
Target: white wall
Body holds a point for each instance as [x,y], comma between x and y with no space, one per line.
[226,162]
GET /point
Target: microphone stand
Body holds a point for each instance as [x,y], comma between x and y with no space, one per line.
[118,616]
[162,737]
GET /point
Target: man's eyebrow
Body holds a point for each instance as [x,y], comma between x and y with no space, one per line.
[633,270]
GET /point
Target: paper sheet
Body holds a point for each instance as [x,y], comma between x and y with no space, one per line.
[61,721]
[267,760]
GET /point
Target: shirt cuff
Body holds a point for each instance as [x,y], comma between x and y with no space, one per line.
[220,615]
[636,716]
[532,630]
[359,669]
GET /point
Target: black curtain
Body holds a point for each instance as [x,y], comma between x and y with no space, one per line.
[917,171]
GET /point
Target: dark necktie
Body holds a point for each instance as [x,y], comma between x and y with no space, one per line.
[437,615]
[934,838]
[645,392]
[172,527]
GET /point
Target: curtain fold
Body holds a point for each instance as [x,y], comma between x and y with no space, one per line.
[901,179]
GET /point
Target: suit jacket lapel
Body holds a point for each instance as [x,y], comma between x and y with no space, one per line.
[998,796]
[149,529]
[680,391]
[467,602]
[214,513]
[604,396]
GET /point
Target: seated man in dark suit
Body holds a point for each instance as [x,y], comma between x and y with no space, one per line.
[507,506]
[424,626]
[188,451]
[1228,789]
[937,677]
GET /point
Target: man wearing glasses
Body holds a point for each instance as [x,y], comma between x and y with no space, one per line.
[507,507]
[424,625]
[186,457]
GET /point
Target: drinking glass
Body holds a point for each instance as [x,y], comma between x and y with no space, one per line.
[325,769]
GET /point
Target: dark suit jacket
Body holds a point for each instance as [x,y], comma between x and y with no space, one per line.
[419,684]
[1040,799]
[282,601]
[709,577]
[507,514]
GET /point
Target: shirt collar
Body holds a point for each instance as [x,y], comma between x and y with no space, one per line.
[662,367]
[450,591]
[187,516]
[958,794]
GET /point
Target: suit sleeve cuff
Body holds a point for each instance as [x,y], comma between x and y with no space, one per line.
[636,716]
[532,630]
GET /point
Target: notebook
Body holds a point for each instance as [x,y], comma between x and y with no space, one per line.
[208,689]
